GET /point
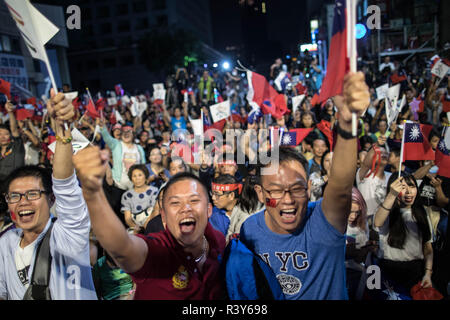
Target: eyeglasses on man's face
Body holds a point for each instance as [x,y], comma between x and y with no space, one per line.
[298,191]
[30,195]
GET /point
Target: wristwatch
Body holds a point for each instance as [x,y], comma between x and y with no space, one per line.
[344,134]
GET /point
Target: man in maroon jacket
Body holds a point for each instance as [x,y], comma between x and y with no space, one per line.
[181,262]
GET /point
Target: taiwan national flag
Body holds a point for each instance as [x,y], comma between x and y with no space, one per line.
[262,95]
[338,63]
[294,137]
[24,112]
[415,142]
[443,154]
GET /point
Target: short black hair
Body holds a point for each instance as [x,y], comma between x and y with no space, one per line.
[5,127]
[184,176]
[141,167]
[44,174]
[228,179]
[285,154]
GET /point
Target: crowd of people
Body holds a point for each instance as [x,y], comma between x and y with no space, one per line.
[133,216]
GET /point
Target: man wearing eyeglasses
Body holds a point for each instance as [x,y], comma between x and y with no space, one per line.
[305,247]
[30,192]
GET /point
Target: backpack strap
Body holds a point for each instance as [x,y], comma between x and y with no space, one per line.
[38,288]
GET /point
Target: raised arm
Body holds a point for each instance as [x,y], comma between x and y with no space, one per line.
[338,193]
[185,110]
[441,199]
[61,109]
[12,119]
[420,173]
[127,250]
[384,209]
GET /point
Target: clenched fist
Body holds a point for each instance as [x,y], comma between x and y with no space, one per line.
[59,107]
[91,165]
[355,98]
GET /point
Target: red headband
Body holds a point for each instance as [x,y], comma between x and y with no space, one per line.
[227,187]
[226,162]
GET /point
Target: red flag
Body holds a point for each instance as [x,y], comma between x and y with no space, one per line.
[443,154]
[396,78]
[32,101]
[100,104]
[5,88]
[112,117]
[77,103]
[416,145]
[91,110]
[445,103]
[265,96]
[301,134]
[325,127]
[301,89]
[24,112]
[338,62]
[315,100]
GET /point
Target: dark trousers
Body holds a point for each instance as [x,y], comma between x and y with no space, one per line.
[404,273]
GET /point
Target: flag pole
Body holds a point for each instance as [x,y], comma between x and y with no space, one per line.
[55,87]
[351,47]
[401,151]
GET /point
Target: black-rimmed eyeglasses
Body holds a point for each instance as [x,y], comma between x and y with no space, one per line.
[30,195]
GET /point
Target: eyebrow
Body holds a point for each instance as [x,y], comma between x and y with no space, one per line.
[301,182]
[188,196]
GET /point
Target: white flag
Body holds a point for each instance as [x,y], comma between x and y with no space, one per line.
[393,94]
[197,125]
[382,91]
[96,130]
[125,99]
[159,94]
[119,117]
[71,95]
[296,102]
[220,111]
[134,106]
[440,69]
[278,80]
[35,28]
[391,112]
[141,107]
[158,86]
[402,103]
[111,101]
[79,142]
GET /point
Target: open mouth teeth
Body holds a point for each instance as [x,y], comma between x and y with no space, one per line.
[288,211]
[25,213]
[187,222]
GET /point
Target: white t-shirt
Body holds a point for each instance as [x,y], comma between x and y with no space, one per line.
[23,258]
[130,156]
[360,236]
[412,248]
[373,190]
